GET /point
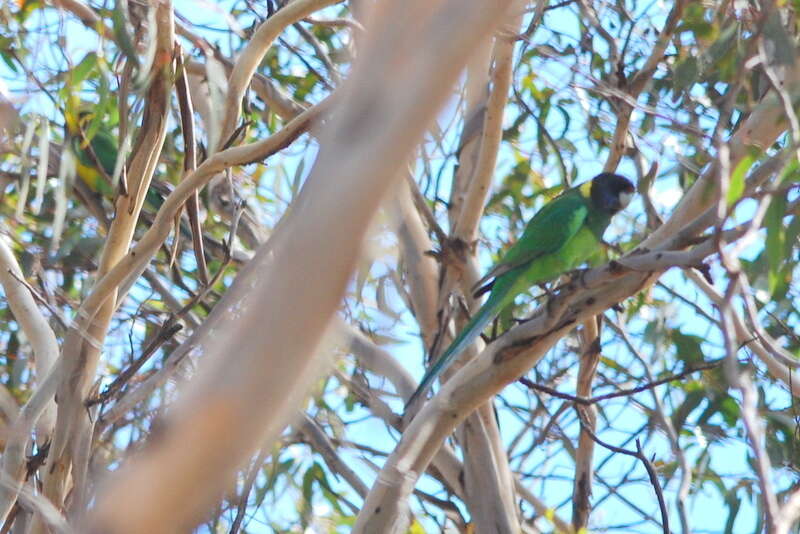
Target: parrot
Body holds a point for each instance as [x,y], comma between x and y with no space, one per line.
[95,159]
[104,151]
[563,234]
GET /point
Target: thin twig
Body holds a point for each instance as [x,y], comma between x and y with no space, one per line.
[421,204]
[252,474]
[189,165]
[622,393]
[348,23]
[648,465]
[166,332]
[61,321]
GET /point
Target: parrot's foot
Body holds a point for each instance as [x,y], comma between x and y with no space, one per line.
[521,320]
[548,292]
[705,270]
[615,248]
[493,334]
[578,275]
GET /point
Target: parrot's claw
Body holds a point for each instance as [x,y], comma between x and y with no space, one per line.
[578,275]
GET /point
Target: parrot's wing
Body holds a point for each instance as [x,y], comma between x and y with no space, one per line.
[548,231]
[105,148]
[80,152]
[485,283]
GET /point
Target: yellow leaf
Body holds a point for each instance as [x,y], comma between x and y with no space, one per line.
[416,528]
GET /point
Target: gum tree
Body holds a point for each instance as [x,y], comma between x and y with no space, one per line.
[220,330]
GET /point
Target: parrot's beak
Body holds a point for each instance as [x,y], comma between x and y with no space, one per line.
[625,198]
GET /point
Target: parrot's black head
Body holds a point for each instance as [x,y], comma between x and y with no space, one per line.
[611,192]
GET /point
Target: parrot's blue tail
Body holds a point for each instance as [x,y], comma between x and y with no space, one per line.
[468,334]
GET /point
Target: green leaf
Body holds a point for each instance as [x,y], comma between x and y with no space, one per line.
[724,43]
[685,74]
[8,60]
[792,234]
[83,69]
[527,83]
[311,475]
[273,471]
[694,21]
[692,400]
[729,410]
[689,347]
[736,185]
[776,236]
[612,364]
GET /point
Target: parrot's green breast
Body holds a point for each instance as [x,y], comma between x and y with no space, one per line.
[574,252]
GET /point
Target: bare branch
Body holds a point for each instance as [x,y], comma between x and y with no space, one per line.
[466,227]
[250,58]
[32,322]
[584,469]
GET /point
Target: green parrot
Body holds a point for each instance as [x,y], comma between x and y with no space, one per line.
[561,236]
[101,152]
[104,151]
